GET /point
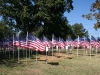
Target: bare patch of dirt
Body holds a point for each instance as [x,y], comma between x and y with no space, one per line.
[56,57]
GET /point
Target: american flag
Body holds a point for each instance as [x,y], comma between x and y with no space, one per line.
[5,43]
[31,41]
[87,43]
[69,41]
[22,41]
[54,40]
[16,41]
[98,39]
[61,43]
[39,45]
[92,41]
[46,42]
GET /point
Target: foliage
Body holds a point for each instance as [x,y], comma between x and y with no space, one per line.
[5,30]
[94,14]
[79,30]
[31,15]
[70,32]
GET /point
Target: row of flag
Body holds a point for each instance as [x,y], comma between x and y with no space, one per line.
[34,43]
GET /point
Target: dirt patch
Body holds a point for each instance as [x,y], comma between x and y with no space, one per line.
[56,57]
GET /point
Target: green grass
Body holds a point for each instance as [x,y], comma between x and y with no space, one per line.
[81,65]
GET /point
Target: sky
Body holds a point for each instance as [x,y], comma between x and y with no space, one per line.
[75,16]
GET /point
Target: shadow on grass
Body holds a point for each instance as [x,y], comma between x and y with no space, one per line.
[90,54]
[53,63]
[10,63]
[68,57]
[42,60]
[58,56]
[6,56]
[35,58]
[11,60]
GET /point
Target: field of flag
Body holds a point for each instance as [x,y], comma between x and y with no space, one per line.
[31,42]
[34,43]
[24,55]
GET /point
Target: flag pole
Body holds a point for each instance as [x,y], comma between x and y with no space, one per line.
[52,53]
[46,54]
[5,49]
[23,52]
[29,53]
[36,54]
[57,48]
[66,51]
[26,56]
[13,47]
[90,51]
[96,50]
[9,53]
[3,45]
[26,46]
[9,50]
[18,54]
[77,46]
[90,47]
[52,45]
[77,51]
[18,46]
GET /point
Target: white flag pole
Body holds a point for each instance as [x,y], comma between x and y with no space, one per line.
[46,54]
[26,46]
[29,53]
[13,47]
[96,50]
[37,50]
[17,35]
[23,52]
[90,47]
[52,52]
[8,50]
[59,47]
[77,51]
[77,45]
[66,51]
[36,54]
[52,45]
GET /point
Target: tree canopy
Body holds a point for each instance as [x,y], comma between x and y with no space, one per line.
[5,30]
[79,30]
[94,13]
[31,15]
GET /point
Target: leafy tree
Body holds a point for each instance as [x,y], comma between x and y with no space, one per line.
[70,32]
[79,30]
[31,15]
[94,14]
[5,30]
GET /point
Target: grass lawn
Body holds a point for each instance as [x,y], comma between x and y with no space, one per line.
[81,65]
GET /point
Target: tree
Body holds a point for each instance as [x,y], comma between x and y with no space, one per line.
[94,14]
[30,15]
[70,32]
[79,30]
[5,31]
